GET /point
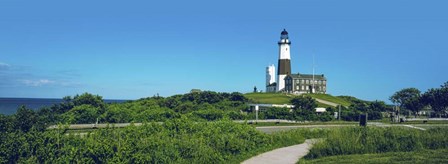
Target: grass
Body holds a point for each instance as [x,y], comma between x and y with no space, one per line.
[331,98]
[427,122]
[422,156]
[181,140]
[79,130]
[365,140]
[431,126]
[323,105]
[269,98]
[261,124]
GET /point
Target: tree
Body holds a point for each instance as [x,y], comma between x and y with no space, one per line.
[378,106]
[6,123]
[82,114]
[359,105]
[25,119]
[408,98]
[88,99]
[437,98]
[278,113]
[304,103]
[304,108]
[236,96]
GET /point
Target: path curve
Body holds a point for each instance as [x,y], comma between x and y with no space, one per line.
[290,154]
[326,102]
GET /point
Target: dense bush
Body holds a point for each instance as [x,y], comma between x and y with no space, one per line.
[304,110]
[201,106]
[278,113]
[175,141]
[373,110]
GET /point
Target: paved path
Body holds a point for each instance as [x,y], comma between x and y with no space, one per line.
[285,155]
[326,102]
[410,126]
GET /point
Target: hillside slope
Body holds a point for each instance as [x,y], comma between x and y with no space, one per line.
[268,98]
[330,98]
[281,98]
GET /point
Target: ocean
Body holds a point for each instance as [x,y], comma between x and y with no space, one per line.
[9,106]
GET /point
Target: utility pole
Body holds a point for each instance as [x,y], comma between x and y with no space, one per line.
[339,115]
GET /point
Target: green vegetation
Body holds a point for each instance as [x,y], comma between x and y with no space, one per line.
[269,98]
[350,99]
[281,98]
[411,100]
[437,99]
[364,140]
[305,123]
[304,110]
[408,98]
[176,141]
[427,122]
[198,106]
[331,98]
[422,156]
[196,128]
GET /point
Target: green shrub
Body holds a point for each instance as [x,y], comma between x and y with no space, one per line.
[178,140]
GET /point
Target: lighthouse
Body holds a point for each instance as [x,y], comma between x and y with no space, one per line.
[284,60]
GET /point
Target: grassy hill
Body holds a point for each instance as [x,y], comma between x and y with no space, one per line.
[268,98]
[281,98]
[330,98]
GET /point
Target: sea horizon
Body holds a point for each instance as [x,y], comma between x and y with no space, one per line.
[9,105]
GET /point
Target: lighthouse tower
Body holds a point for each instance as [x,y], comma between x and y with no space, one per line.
[284,60]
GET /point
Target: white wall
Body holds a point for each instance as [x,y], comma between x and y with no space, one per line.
[270,74]
[281,82]
[284,51]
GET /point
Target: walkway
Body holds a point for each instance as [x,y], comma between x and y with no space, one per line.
[290,154]
[326,102]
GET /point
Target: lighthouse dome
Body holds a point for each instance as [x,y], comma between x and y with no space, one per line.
[284,36]
[284,32]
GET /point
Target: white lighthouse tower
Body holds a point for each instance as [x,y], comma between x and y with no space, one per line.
[284,60]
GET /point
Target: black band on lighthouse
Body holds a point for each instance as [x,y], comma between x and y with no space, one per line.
[284,66]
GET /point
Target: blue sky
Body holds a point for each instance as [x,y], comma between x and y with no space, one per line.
[134,49]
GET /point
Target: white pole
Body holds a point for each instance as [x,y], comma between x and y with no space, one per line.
[256,113]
